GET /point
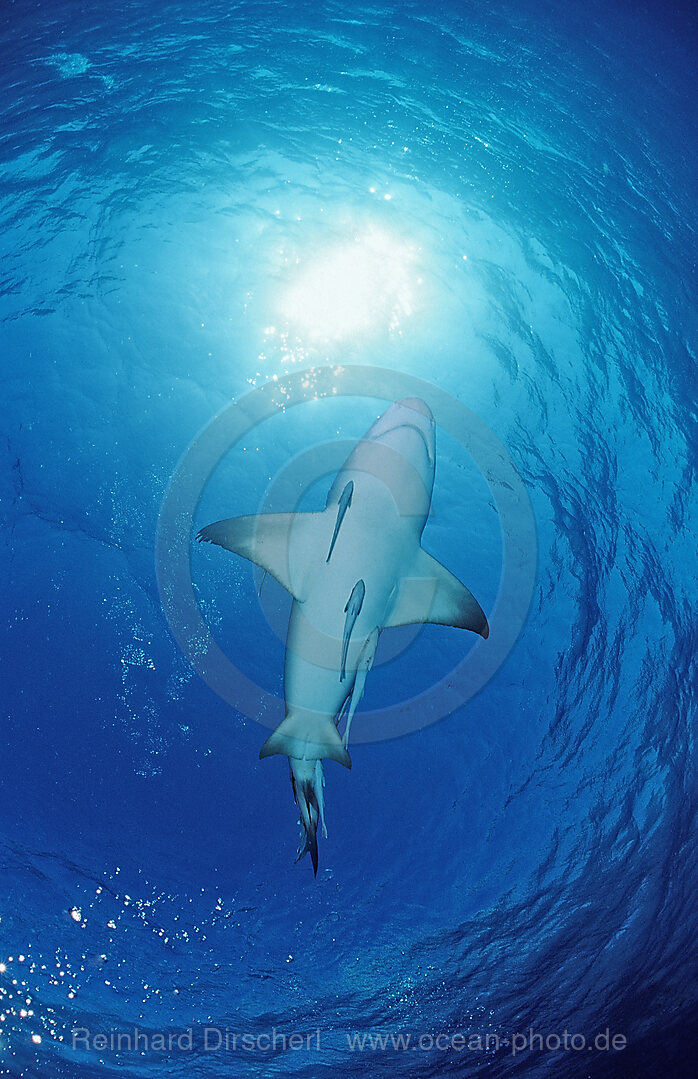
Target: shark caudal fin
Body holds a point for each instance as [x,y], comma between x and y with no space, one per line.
[306,737]
[308,781]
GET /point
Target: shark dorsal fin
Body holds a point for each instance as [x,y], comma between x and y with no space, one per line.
[431,593]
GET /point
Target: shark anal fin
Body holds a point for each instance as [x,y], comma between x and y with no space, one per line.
[281,543]
[431,593]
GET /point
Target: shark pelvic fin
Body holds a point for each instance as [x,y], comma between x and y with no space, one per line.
[431,593]
[298,738]
[283,544]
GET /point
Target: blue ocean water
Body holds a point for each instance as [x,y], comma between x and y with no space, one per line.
[197,201]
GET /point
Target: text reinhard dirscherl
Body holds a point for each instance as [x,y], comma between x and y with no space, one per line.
[213,1039]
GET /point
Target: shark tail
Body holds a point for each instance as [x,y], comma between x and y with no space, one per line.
[306,738]
[296,738]
[308,781]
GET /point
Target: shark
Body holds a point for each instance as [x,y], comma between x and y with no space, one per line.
[354,569]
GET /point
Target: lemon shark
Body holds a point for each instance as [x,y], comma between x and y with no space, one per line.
[353,570]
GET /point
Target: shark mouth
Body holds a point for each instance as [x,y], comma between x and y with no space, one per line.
[413,427]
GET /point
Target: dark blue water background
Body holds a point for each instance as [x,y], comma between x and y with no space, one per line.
[168,173]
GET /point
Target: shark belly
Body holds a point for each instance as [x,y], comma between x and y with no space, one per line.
[314,646]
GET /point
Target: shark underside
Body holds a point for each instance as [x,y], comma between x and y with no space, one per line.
[353,570]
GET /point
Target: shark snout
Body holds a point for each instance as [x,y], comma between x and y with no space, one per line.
[408,428]
[417,405]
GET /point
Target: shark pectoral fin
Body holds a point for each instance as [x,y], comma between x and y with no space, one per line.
[431,593]
[281,543]
[296,737]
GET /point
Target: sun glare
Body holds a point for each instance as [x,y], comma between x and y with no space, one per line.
[360,286]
